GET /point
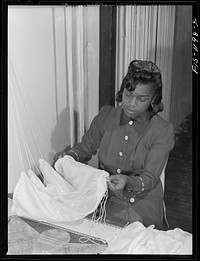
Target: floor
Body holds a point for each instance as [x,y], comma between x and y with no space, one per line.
[178,180]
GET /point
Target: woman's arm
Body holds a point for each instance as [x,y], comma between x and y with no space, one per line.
[154,163]
[90,143]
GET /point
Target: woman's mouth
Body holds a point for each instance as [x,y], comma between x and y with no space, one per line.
[130,111]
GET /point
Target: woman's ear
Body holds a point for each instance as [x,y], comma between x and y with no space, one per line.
[153,100]
[154,106]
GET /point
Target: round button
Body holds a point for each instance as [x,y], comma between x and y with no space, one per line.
[126,137]
[118,171]
[120,154]
[132,200]
[130,122]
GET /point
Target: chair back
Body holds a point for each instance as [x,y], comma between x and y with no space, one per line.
[162,178]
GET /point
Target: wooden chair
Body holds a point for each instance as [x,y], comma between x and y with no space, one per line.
[162,178]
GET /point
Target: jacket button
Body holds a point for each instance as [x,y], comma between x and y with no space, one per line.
[118,171]
[126,137]
[130,122]
[132,200]
[120,154]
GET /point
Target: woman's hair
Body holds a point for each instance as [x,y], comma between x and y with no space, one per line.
[143,72]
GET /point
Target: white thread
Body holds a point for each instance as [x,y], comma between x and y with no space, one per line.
[14,68]
[84,240]
[101,218]
[21,129]
[102,214]
[19,152]
[22,102]
[29,155]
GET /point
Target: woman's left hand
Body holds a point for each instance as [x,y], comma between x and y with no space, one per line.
[117,182]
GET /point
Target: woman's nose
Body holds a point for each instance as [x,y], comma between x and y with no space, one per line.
[133,102]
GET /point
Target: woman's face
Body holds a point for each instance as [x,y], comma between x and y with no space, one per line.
[137,102]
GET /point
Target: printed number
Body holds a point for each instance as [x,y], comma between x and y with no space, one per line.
[194,39]
[195,33]
[195,21]
[195,60]
[195,48]
[194,68]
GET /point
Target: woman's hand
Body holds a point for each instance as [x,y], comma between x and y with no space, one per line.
[58,156]
[117,182]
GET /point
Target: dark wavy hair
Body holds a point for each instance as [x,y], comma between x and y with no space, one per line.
[143,72]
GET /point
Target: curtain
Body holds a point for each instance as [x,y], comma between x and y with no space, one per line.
[146,32]
[53,75]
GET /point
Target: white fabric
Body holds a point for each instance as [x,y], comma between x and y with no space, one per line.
[137,239]
[67,72]
[73,191]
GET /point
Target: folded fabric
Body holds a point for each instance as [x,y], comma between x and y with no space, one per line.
[137,239]
[73,191]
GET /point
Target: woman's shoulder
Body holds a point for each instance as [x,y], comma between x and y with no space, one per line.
[159,123]
[109,115]
[108,110]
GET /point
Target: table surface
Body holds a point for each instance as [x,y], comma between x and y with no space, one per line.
[32,237]
[27,236]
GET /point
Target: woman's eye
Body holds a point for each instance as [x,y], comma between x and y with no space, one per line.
[142,99]
[127,93]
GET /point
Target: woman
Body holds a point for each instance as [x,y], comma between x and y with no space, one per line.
[133,145]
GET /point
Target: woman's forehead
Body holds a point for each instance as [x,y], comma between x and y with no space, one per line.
[143,89]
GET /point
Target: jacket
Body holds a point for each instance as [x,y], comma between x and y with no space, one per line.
[138,148]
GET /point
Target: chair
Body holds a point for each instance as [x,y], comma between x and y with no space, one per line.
[162,178]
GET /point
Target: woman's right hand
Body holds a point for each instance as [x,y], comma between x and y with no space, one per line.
[117,182]
[59,155]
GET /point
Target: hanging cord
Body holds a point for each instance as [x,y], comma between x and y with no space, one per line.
[16,134]
[29,99]
[29,155]
[102,214]
[25,111]
[96,221]
[21,133]
[19,128]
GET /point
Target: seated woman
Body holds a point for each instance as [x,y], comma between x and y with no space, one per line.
[133,144]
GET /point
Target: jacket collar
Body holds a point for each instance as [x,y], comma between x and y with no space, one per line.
[140,123]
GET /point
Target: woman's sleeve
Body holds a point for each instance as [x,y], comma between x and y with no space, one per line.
[155,161]
[91,140]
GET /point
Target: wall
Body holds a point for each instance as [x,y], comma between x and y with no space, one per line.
[181,92]
[38,109]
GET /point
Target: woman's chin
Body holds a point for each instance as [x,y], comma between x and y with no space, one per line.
[130,113]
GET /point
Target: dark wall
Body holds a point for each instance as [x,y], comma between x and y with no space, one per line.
[181,92]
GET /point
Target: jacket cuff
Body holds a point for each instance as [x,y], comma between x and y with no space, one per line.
[73,154]
[135,183]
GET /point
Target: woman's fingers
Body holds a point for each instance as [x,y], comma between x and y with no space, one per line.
[111,186]
[117,182]
[58,156]
[115,185]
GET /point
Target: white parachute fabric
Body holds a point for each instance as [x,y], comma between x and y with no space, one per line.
[73,190]
[137,239]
